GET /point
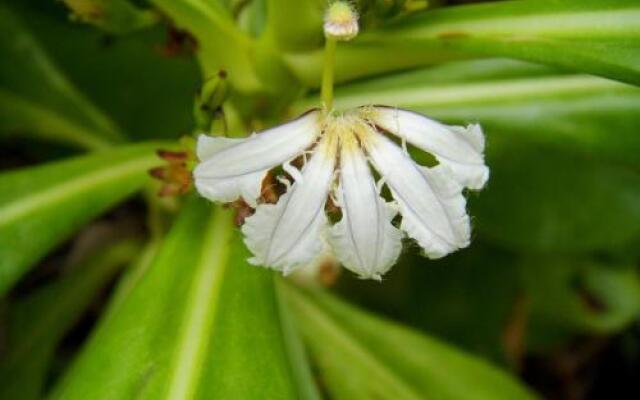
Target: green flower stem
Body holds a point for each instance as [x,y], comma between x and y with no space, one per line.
[327,74]
[354,61]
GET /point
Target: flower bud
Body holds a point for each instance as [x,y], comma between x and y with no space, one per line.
[341,21]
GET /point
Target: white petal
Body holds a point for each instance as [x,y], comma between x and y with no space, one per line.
[364,240]
[289,234]
[231,168]
[431,203]
[458,149]
[247,186]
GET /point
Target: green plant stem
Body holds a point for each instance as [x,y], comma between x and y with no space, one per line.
[327,74]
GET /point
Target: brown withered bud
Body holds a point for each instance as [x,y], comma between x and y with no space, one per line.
[173,156]
[158,173]
[178,43]
[174,174]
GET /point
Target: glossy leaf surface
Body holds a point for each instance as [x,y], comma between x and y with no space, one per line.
[38,323]
[360,356]
[592,36]
[567,297]
[42,206]
[200,323]
[144,95]
[36,98]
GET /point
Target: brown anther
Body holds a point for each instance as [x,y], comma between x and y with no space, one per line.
[331,207]
[298,162]
[269,192]
[243,211]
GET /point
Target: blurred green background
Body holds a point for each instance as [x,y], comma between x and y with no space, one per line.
[549,288]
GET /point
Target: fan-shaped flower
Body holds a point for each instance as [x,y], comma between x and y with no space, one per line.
[337,151]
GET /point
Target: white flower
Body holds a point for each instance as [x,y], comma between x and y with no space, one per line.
[296,230]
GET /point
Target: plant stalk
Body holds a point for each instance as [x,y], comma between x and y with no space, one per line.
[328,73]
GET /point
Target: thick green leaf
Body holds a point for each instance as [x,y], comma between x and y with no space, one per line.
[262,83]
[540,198]
[222,44]
[41,206]
[448,297]
[201,323]
[295,24]
[132,275]
[593,36]
[300,366]
[146,92]
[568,297]
[360,356]
[35,98]
[252,17]
[39,322]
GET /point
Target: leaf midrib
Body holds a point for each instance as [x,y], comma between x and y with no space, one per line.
[61,127]
[500,90]
[201,307]
[23,206]
[573,23]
